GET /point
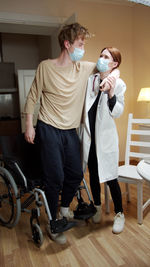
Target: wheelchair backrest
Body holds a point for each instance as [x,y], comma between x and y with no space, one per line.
[12,146]
[15,148]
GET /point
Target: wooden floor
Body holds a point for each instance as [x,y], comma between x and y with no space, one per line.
[87,244]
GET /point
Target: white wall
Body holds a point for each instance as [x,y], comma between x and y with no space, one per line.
[141,62]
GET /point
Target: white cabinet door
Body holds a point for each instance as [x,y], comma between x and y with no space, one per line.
[25,79]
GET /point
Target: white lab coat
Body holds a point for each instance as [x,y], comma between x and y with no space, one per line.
[106,136]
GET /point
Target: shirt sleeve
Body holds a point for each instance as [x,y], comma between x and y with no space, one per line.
[89,67]
[35,91]
[112,102]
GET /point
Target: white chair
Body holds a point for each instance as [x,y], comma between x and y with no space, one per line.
[143,169]
[137,141]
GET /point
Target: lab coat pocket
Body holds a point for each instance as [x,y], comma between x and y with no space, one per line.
[109,141]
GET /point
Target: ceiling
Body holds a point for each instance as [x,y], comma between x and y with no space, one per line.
[115,2]
[121,2]
[19,23]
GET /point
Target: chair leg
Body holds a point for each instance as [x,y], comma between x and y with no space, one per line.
[128,192]
[140,202]
[106,190]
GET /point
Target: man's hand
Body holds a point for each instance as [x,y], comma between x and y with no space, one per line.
[30,131]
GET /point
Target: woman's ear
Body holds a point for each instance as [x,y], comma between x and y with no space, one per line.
[66,44]
[115,64]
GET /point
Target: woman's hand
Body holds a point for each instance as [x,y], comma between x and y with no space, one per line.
[108,85]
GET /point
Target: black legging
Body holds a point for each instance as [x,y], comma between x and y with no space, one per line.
[95,185]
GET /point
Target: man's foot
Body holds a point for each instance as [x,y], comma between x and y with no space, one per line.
[60,238]
[62,225]
[66,212]
[119,221]
[84,211]
[98,215]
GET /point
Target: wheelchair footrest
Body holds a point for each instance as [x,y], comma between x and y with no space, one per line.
[84,211]
[59,226]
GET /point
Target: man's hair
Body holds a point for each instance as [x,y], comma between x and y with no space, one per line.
[115,53]
[70,33]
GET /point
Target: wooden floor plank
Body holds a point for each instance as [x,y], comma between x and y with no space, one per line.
[87,244]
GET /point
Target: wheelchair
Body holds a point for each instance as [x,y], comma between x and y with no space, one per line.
[21,185]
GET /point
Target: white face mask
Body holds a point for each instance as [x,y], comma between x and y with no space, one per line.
[102,64]
[77,54]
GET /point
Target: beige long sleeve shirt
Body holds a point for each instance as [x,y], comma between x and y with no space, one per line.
[61,91]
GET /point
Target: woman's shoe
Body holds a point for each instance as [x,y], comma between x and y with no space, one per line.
[119,221]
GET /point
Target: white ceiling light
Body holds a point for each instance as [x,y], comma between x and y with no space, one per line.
[143,2]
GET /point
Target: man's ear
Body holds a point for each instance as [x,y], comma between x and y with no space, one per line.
[66,44]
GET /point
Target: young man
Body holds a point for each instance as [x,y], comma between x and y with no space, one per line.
[61,85]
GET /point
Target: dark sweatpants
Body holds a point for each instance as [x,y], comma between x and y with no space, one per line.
[61,165]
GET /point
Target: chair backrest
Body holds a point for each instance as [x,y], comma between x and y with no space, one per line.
[142,134]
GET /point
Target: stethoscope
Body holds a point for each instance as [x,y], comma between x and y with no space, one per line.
[95,89]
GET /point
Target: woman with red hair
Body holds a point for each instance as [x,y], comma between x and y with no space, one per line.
[100,138]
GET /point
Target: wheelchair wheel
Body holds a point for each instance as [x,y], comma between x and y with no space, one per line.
[37,234]
[10,205]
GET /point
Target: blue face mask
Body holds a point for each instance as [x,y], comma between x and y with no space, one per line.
[77,54]
[102,64]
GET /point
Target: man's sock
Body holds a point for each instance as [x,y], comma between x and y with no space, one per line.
[64,211]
